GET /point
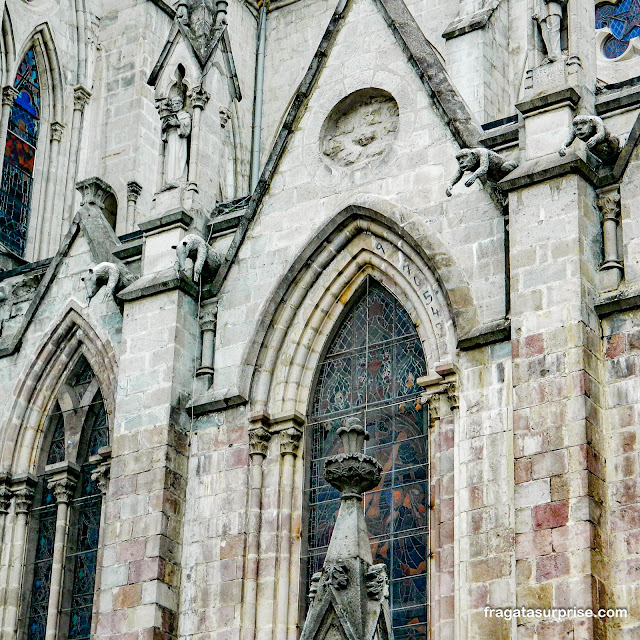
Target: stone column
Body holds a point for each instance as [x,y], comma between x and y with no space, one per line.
[23,492]
[48,244]
[259,438]
[63,482]
[9,95]
[134,189]
[199,98]
[144,506]
[440,398]
[289,441]
[80,100]
[208,320]
[554,241]
[611,271]
[5,502]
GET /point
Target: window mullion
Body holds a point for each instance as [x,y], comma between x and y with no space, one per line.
[63,486]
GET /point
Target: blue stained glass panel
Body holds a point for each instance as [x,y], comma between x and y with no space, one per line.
[623,21]
[16,185]
[57,446]
[370,371]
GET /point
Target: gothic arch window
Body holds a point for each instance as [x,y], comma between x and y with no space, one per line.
[16,186]
[67,491]
[370,370]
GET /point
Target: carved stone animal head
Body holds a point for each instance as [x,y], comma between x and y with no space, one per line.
[183,249]
[91,284]
[584,127]
[467,159]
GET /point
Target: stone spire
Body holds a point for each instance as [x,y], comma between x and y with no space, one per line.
[349,598]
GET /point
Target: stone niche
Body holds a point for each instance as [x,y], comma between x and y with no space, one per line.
[360,128]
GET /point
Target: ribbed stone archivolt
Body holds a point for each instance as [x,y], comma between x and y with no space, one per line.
[349,598]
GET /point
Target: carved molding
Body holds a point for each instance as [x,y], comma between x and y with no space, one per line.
[5,498]
[377,582]
[100,476]
[134,189]
[609,205]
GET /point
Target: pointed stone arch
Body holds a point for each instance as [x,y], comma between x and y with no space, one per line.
[298,320]
[36,389]
[8,48]
[41,38]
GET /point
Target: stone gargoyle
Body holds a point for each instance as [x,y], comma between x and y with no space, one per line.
[591,130]
[481,163]
[112,277]
[202,255]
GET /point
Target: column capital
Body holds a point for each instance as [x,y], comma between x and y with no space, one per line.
[209,316]
[259,439]
[9,95]
[289,441]
[5,498]
[134,189]
[81,97]
[56,130]
[100,475]
[609,203]
[24,499]
[63,488]
[199,97]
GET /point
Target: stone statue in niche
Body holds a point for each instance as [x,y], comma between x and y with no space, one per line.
[201,254]
[482,163]
[107,275]
[176,129]
[549,18]
[591,130]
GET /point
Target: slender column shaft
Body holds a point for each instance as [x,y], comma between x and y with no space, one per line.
[24,497]
[80,100]
[258,445]
[199,98]
[288,445]
[134,190]
[63,490]
[45,244]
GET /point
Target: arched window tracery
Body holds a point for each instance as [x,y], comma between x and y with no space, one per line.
[77,435]
[370,370]
[16,186]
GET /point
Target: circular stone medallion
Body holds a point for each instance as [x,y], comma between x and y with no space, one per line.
[359,128]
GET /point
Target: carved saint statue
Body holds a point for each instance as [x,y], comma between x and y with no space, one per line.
[176,127]
[550,20]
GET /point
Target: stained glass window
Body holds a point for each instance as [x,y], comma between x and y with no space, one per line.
[84,523]
[623,22]
[370,370]
[19,154]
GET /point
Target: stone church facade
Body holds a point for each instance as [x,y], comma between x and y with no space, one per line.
[228,228]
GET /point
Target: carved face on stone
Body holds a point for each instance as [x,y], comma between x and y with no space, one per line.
[91,284]
[175,104]
[467,160]
[583,127]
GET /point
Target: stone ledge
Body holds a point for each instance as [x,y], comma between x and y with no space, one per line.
[505,136]
[467,24]
[486,334]
[551,166]
[177,217]
[548,100]
[132,249]
[614,101]
[618,302]
[155,283]
[210,404]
